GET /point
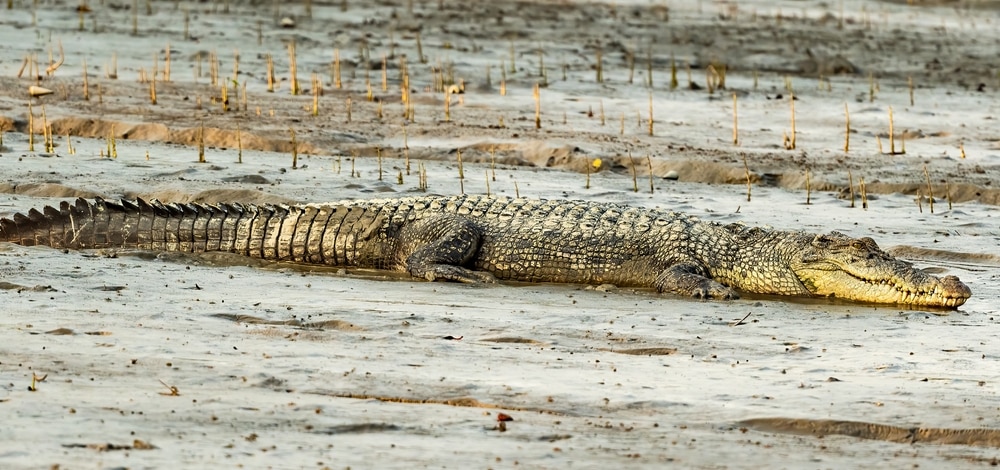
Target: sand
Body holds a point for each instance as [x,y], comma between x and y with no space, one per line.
[164,360]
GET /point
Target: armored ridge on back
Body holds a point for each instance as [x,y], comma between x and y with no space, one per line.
[485,239]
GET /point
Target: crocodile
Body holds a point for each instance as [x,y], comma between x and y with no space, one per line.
[483,239]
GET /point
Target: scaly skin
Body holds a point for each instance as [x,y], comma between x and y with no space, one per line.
[483,239]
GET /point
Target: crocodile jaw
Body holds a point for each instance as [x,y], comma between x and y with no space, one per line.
[905,286]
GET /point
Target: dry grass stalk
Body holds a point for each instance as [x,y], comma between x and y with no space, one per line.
[447,105]
[602,112]
[537,95]
[213,68]
[808,188]
[487,174]
[317,89]
[293,81]
[673,74]
[711,79]
[513,67]
[270,73]
[53,66]
[295,150]
[404,92]
[69,145]
[649,66]
[112,73]
[909,84]
[112,144]
[746,170]
[850,184]
[892,134]
[187,24]
[406,152]
[587,185]
[961,149]
[239,143]
[791,139]
[46,132]
[348,110]
[24,64]
[461,172]
[847,133]
[871,87]
[600,66]
[635,178]
[336,72]
[622,131]
[378,157]
[493,162]
[152,90]
[31,128]
[420,50]
[243,95]
[201,142]
[736,122]
[930,189]
[649,165]
[517,192]
[864,194]
[651,114]
[630,62]
[86,84]
[135,17]
[385,73]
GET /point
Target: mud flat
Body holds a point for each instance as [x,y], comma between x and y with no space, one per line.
[122,359]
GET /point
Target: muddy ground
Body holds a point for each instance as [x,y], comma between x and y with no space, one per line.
[288,367]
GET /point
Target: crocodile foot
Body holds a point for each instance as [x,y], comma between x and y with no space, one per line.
[687,279]
[447,272]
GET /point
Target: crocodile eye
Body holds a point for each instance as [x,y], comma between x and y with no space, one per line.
[858,244]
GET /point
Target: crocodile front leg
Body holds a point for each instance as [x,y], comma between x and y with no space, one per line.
[438,248]
[689,279]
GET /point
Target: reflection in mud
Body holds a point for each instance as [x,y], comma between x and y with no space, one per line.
[323,325]
[883,432]
[913,252]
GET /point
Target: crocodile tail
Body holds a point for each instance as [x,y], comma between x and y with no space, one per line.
[73,225]
[129,224]
[334,235]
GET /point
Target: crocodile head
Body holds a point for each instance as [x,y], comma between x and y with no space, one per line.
[836,265]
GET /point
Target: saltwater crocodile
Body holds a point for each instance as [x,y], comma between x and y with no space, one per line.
[484,239]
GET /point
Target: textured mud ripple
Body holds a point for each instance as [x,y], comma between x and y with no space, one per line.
[981,437]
